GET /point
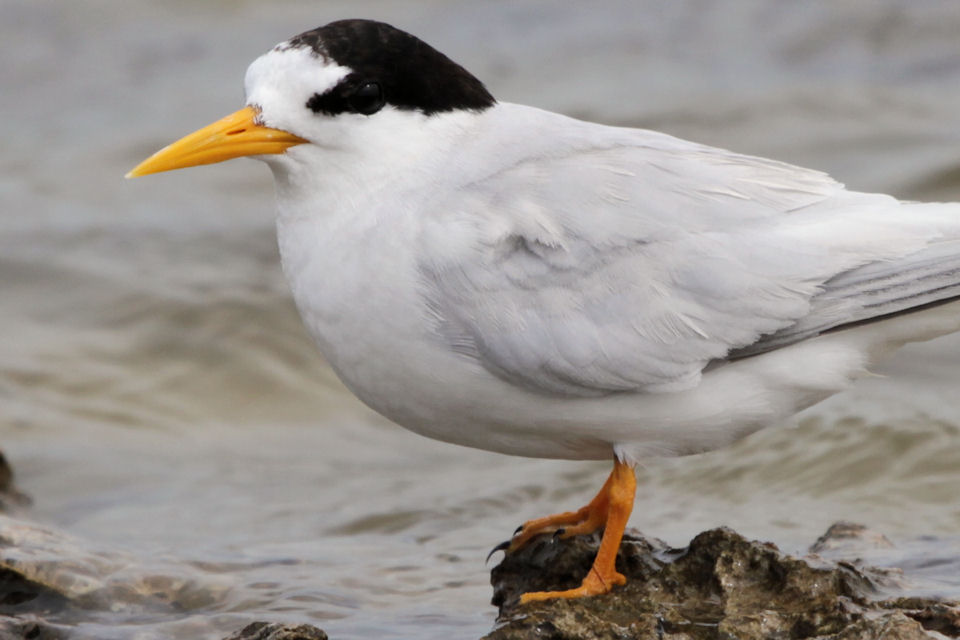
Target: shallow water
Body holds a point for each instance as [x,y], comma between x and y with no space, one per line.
[198,467]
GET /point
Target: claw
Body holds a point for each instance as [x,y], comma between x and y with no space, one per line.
[558,533]
[503,546]
[518,530]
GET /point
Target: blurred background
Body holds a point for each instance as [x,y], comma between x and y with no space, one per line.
[193,463]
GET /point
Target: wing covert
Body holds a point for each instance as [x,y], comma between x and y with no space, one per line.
[632,267]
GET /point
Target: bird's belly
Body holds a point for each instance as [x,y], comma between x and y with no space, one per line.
[359,298]
[410,378]
[432,391]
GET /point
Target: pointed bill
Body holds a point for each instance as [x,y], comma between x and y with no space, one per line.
[235,136]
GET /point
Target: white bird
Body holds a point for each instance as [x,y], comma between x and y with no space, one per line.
[502,277]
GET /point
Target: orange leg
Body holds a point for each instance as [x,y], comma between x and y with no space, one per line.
[609,509]
[593,512]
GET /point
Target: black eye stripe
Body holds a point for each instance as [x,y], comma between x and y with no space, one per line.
[337,99]
[351,95]
[326,103]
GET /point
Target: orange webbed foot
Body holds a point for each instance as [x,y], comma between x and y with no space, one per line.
[593,585]
[610,510]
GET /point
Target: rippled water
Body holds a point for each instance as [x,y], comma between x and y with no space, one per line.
[194,463]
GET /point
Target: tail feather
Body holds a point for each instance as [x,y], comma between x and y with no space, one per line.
[880,290]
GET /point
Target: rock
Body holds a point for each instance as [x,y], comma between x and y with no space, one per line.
[721,586]
[19,594]
[27,629]
[275,631]
[44,570]
[10,496]
[48,577]
[849,537]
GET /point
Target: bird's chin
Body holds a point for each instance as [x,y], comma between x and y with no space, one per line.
[280,162]
[281,168]
[291,174]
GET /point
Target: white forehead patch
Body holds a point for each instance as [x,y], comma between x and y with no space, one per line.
[282,80]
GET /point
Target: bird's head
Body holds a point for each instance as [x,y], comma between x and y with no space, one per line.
[343,86]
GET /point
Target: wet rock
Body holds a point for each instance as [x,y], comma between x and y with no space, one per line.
[275,631]
[941,618]
[44,570]
[849,537]
[10,496]
[721,586]
[27,629]
[19,594]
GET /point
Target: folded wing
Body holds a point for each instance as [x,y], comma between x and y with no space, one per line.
[633,264]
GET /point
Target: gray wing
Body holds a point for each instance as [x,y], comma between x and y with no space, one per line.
[876,291]
[632,267]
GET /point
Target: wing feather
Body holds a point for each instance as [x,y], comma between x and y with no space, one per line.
[632,263]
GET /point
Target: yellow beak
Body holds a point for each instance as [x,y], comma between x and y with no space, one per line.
[232,137]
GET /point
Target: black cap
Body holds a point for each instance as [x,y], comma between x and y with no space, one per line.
[411,74]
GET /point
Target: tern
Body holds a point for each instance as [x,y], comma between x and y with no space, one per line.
[502,277]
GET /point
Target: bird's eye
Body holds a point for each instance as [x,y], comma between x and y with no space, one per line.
[367,99]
